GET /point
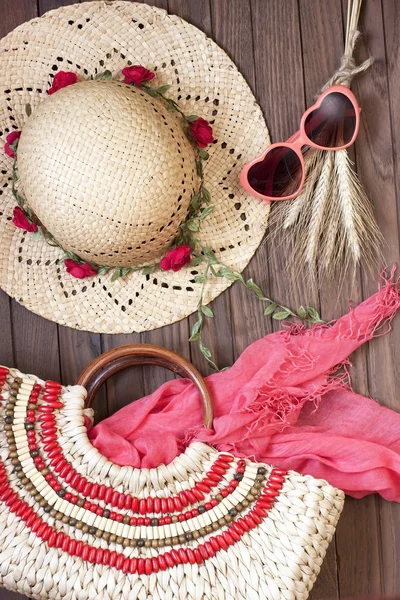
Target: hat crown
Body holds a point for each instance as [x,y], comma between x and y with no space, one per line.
[108,171]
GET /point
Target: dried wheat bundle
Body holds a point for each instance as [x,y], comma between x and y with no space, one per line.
[330,226]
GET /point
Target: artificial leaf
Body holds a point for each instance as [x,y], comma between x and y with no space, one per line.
[163,89]
[192,118]
[203,154]
[302,312]
[37,233]
[148,269]
[270,309]
[206,352]
[313,313]
[19,199]
[229,274]
[28,110]
[194,337]
[279,316]
[206,310]
[103,270]
[116,275]
[193,226]
[125,271]
[196,327]
[106,75]
[151,91]
[199,278]
[205,212]
[76,258]
[206,195]
[210,255]
[171,107]
[194,200]
[251,285]
[196,261]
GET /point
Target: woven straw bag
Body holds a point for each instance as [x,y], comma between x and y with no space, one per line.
[74,525]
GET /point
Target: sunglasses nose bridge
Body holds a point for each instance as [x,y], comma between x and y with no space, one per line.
[294,139]
[298,145]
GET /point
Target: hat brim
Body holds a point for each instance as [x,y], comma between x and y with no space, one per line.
[92,37]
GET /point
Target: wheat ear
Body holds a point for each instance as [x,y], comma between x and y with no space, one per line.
[319,212]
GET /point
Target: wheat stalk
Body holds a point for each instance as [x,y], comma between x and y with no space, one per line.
[330,225]
[319,212]
[362,232]
[349,201]
[293,210]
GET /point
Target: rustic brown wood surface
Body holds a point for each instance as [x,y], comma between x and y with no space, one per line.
[286,49]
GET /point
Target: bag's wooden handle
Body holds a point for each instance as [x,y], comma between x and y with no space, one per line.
[143,354]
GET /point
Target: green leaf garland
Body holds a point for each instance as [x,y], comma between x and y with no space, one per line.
[199,210]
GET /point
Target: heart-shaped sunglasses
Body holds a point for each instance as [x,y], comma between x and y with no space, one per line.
[332,123]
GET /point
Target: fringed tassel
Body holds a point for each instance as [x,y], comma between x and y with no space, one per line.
[302,376]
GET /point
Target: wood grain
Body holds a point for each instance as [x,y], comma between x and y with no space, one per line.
[280,90]
[379,168]
[390,513]
[286,51]
[318,31]
[233,31]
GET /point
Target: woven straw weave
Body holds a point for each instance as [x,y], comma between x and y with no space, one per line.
[89,38]
[278,560]
[113,159]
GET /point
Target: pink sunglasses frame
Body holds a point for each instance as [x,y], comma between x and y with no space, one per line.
[300,139]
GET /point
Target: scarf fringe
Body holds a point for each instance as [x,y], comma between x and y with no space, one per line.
[387,302]
[277,405]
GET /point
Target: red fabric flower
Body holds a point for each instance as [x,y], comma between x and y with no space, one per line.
[10,140]
[202,132]
[61,80]
[78,270]
[137,74]
[176,259]
[21,221]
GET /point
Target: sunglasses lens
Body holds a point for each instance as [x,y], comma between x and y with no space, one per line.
[278,175]
[333,124]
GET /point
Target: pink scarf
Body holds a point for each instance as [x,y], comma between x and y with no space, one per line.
[286,401]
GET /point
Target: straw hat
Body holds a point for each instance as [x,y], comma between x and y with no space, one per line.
[109,171]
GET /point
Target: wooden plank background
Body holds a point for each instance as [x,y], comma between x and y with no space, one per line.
[286,49]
